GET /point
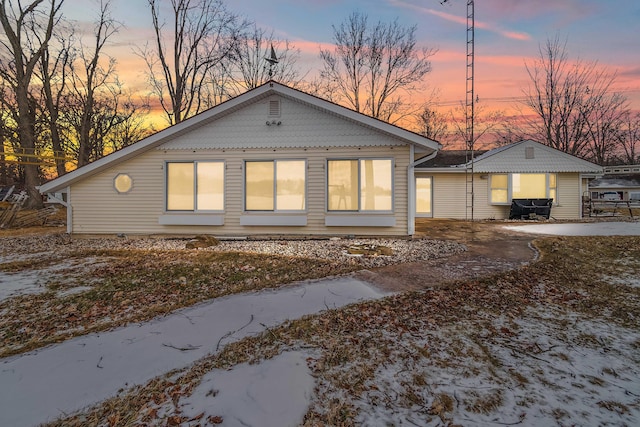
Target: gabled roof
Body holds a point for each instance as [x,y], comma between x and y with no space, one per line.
[229,107]
[521,157]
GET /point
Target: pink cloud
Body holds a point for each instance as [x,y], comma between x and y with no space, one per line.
[463,20]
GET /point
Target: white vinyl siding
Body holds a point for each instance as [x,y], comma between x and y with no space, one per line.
[96,204]
[449,197]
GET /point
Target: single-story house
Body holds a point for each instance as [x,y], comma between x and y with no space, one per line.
[278,161]
[451,185]
[272,161]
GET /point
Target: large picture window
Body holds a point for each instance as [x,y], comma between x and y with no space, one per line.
[360,185]
[195,186]
[505,187]
[278,185]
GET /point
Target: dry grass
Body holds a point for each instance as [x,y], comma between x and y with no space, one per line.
[455,329]
[136,285]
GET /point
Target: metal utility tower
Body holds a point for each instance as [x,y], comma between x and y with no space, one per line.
[469,110]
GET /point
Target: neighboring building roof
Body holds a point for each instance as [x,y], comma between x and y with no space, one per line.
[521,157]
[616,181]
[167,136]
[448,158]
[621,169]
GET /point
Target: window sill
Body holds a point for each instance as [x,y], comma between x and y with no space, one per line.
[279,220]
[191,219]
[358,220]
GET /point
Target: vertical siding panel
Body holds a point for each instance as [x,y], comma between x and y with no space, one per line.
[448,195]
[569,197]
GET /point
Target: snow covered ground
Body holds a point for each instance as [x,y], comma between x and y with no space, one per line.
[42,385]
[581,229]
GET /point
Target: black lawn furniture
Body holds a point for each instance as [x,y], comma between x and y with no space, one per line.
[530,208]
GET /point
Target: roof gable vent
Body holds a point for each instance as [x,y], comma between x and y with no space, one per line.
[274,108]
[528,153]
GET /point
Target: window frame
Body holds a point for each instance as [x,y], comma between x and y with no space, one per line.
[359,186]
[195,186]
[275,185]
[422,214]
[548,189]
[115,183]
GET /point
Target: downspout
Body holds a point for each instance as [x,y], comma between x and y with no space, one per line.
[411,181]
[69,212]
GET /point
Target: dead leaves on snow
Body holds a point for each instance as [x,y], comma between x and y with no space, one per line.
[137,285]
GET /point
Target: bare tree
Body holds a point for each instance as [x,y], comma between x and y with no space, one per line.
[487,124]
[28,30]
[251,68]
[182,60]
[130,124]
[604,113]
[53,73]
[509,131]
[629,138]
[432,123]
[372,66]
[94,81]
[571,103]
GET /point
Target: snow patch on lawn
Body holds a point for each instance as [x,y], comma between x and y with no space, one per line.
[545,369]
[39,386]
[35,280]
[581,229]
[21,283]
[274,393]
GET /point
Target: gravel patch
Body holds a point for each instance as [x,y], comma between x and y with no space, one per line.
[404,250]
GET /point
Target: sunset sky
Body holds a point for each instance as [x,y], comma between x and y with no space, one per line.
[508,33]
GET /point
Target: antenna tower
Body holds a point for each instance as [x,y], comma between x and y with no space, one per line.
[469,109]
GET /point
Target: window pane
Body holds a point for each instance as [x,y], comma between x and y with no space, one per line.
[423,195]
[529,185]
[375,185]
[210,185]
[342,179]
[123,183]
[259,186]
[180,187]
[499,188]
[499,181]
[290,185]
[552,180]
[499,196]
